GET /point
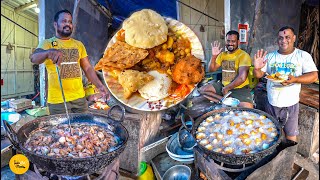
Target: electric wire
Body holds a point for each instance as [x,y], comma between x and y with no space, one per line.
[207,2]
[11,29]
[5,72]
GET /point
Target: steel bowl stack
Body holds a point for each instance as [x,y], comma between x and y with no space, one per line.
[177,153]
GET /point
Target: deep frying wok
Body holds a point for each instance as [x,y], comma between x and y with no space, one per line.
[233,159]
[72,166]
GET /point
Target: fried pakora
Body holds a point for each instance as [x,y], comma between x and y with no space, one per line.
[121,56]
[188,70]
[132,80]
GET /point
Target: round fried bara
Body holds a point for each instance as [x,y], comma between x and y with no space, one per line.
[188,71]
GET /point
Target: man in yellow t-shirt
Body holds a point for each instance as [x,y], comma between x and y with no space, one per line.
[70,56]
[235,64]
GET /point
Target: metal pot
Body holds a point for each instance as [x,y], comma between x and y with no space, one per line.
[74,166]
[233,159]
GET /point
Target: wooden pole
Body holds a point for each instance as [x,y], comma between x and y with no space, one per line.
[75,16]
[41,37]
[256,18]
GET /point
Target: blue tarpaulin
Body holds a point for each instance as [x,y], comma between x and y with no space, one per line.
[122,9]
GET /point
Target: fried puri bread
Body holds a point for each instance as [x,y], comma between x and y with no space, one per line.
[188,71]
[132,80]
[121,56]
[145,29]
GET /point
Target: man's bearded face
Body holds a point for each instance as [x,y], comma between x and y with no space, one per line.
[64,25]
[232,42]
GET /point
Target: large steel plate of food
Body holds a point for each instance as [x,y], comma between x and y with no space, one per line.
[153,77]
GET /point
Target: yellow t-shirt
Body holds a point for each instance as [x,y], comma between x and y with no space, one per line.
[230,64]
[71,74]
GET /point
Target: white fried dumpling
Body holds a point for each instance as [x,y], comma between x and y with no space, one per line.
[201,129]
[273,134]
[219,136]
[209,147]
[214,141]
[258,141]
[204,142]
[209,119]
[226,143]
[228,150]
[217,116]
[204,124]
[219,150]
[200,135]
[247,141]
[245,113]
[262,117]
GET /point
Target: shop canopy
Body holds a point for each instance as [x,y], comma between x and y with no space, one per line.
[122,9]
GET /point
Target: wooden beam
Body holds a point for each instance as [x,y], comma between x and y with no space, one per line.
[26,6]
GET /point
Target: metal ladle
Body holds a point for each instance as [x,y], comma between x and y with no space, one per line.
[64,99]
[224,97]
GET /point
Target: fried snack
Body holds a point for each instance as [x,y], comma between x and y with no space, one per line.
[121,56]
[132,80]
[188,71]
[120,35]
[99,65]
[145,29]
[113,72]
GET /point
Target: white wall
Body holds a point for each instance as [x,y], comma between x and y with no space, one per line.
[194,19]
[16,68]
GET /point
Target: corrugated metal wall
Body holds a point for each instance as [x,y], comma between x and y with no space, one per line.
[194,19]
[16,68]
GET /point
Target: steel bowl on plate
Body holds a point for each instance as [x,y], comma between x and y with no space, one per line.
[233,102]
[136,102]
[181,172]
[174,150]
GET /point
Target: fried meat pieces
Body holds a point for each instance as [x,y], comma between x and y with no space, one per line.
[188,71]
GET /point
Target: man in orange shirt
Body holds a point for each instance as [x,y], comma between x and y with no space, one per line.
[235,64]
[71,56]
